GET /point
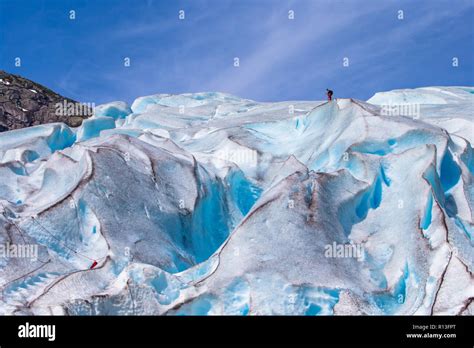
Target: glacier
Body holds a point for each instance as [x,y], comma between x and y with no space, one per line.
[210,204]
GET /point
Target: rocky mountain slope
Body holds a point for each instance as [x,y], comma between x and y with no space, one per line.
[24,103]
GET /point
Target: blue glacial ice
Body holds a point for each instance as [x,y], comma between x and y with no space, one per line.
[210,204]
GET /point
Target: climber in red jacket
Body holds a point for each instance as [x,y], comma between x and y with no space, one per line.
[329,94]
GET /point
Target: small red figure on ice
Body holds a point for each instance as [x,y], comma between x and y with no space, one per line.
[329,94]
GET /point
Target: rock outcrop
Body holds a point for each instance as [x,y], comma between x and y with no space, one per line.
[24,103]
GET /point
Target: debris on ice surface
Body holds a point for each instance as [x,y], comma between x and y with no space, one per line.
[207,203]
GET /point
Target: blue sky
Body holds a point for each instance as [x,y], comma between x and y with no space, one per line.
[280,59]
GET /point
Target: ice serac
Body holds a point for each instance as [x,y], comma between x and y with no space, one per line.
[115,110]
[207,203]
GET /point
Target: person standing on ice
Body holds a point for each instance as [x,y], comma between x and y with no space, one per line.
[329,94]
